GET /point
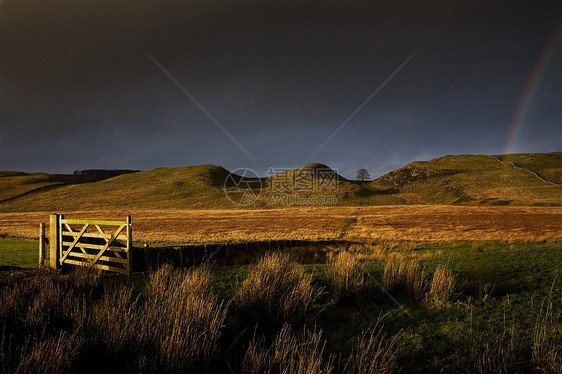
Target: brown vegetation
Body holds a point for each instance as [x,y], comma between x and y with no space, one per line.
[47,319]
[275,291]
[493,353]
[418,223]
[372,353]
[405,276]
[442,286]
[346,278]
[547,339]
[288,355]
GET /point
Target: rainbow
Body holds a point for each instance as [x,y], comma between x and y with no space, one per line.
[533,86]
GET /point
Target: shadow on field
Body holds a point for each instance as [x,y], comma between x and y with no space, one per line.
[305,251]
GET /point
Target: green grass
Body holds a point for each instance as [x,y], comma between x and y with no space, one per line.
[462,179]
[500,284]
[185,187]
[20,253]
[502,288]
[14,183]
[480,179]
[547,165]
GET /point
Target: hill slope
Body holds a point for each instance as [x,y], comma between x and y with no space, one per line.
[546,165]
[480,179]
[184,187]
[521,179]
[14,184]
[318,184]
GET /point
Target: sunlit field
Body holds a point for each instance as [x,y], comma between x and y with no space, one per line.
[382,289]
[415,223]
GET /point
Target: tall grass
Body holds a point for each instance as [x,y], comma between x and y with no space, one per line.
[442,286]
[547,340]
[39,305]
[36,322]
[275,291]
[181,319]
[53,355]
[346,279]
[113,321]
[494,353]
[288,354]
[170,321]
[372,353]
[405,276]
[175,328]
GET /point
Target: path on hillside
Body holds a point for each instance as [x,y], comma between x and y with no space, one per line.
[529,170]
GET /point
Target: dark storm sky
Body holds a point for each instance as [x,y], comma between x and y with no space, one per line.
[79,90]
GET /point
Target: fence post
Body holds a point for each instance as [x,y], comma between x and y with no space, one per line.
[130,245]
[147,257]
[41,244]
[54,241]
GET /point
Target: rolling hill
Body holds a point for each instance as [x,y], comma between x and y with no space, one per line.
[481,180]
[520,179]
[14,185]
[184,187]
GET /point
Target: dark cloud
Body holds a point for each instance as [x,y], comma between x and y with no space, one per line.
[77,89]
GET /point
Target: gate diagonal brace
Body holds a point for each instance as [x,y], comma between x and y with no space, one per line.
[109,242]
[65,254]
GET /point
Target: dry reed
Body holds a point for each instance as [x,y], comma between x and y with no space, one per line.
[175,328]
[547,340]
[288,354]
[442,286]
[372,353]
[346,278]
[275,291]
[405,276]
[52,356]
[492,353]
[181,320]
[113,320]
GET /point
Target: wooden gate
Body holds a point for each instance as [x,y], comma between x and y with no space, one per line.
[106,245]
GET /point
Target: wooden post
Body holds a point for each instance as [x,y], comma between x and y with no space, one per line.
[147,258]
[129,245]
[41,244]
[59,230]
[54,241]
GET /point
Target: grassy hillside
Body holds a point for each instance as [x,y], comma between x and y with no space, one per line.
[193,187]
[546,165]
[320,180]
[479,179]
[184,187]
[14,184]
[521,179]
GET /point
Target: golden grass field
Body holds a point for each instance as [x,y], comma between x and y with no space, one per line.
[413,223]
